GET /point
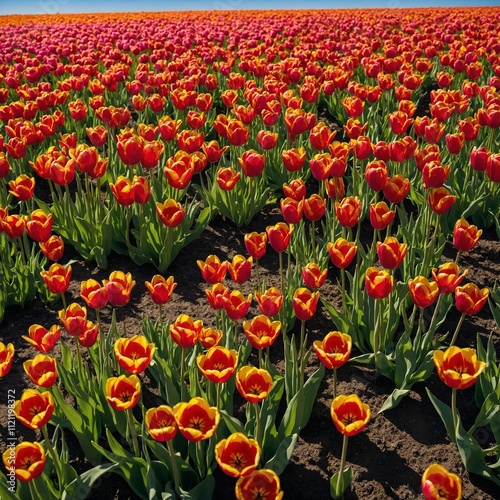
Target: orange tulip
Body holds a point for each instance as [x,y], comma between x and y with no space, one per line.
[350,416]
[237,455]
[376,175]
[119,287]
[465,235]
[267,139]
[34,409]
[134,354]
[469,299]
[380,215]
[235,305]
[171,212]
[89,337]
[269,301]
[160,289]
[227,177]
[22,187]
[218,364]
[254,384]
[261,483]
[57,278]
[438,483]
[422,291]
[215,295]
[342,252]
[391,253]
[74,319]
[296,189]
[122,393]
[397,188]
[42,370]
[434,174]
[168,128]
[42,339]
[94,295]
[252,163]
[255,244]
[293,159]
[240,269]
[261,331]
[291,210]
[279,236]
[440,200]
[53,248]
[6,358]
[39,226]
[313,276]
[334,350]
[348,211]
[210,337]
[321,136]
[28,461]
[378,283]
[447,277]
[196,419]
[314,207]
[321,166]
[304,303]
[179,170]
[212,269]
[185,332]
[161,423]
[458,368]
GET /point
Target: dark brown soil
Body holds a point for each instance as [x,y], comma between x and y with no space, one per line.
[388,458]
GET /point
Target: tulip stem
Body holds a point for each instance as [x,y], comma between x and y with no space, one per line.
[175,469]
[454,413]
[261,363]
[455,335]
[63,299]
[436,311]
[133,432]
[53,454]
[183,368]
[313,241]
[34,490]
[457,257]
[344,296]
[282,287]
[302,353]
[376,333]
[258,273]
[340,481]
[101,343]
[160,313]
[257,424]
[218,387]
[334,383]
[200,457]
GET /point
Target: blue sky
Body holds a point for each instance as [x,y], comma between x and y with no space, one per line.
[68,6]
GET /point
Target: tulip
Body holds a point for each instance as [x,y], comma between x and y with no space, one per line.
[396,189]
[240,269]
[171,213]
[29,460]
[353,106]
[342,252]
[97,135]
[13,225]
[42,370]
[348,211]
[235,305]
[263,482]
[254,384]
[161,423]
[119,288]
[266,139]
[261,332]
[469,299]
[391,253]
[213,151]
[293,159]
[441,200]
[215,295]
[22,187]
[376,175]
[399,122]
[190,140]
[74,319]
[123,392]
[335,188]
[185,331]
[94,295]
[53,248]
[314,207]
[279,236]
[269,301]
[438,483]
[237,455]
[168,128]
[57,278]
[34,409]
[378,283]
[134,354]
[304,303]
[210,337]
[42,339]
[212,269]
[236,132]
[39,226]
[465,235]
[196,420]
[179,170]
[129,148]
[493,167]
[89,337]
[313,276]
[6,358]
[423,292]
[296,190]
[447,277]
[380,215]
[321,166]
[252,163]
[256,244]
[434,174]
[354,128]
[218,365]
[458,368]
[227,178]
[455,142]
[160,289]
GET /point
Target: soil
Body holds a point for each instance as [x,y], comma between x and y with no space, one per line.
[388,458]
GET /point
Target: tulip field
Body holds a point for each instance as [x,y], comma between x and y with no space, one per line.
[250,255]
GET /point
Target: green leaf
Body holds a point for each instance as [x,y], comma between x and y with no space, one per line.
[444,411]
[82,485]
[233,424]
[202,491]
[283,454]
[337,492]
[394,399]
